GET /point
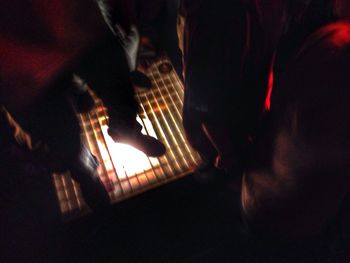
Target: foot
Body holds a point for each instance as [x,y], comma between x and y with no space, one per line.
[146,144]
[140,80]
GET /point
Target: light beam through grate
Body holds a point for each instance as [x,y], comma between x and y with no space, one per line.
[124,170]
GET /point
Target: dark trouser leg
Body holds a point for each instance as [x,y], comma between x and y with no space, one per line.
[197,137]
[171,37]
[106,70]
[150,18]
[223,140]
[53,121]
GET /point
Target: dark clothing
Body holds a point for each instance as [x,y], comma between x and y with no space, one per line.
[157,21]
[105,69]
[53,121]
[151,16]
[227,58]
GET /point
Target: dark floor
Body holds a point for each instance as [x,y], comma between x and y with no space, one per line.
[183,221]
[174,223]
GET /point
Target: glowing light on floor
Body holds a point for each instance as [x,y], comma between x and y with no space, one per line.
[127,159]
[124,170]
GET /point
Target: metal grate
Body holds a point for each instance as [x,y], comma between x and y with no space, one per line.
[124,170]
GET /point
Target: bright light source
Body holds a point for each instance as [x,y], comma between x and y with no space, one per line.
[127,160]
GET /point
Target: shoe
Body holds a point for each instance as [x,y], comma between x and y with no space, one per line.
[146,144]
[140,80]
[84,172]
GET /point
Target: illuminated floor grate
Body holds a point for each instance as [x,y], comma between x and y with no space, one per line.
[124,170]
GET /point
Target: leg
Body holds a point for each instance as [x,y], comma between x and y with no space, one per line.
[105,69]
[230,154]
[217,91]
[197,137]
[150,19]
[52,120]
